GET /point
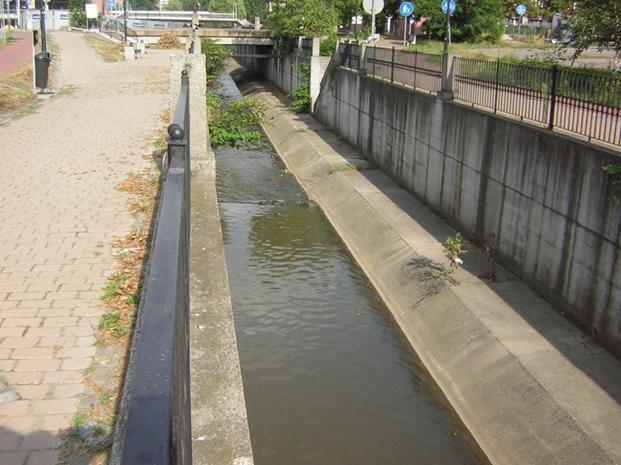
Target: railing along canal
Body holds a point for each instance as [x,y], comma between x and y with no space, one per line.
[157,430]
[579,101]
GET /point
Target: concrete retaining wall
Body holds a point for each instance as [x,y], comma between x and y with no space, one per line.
[282,71]
[540,199]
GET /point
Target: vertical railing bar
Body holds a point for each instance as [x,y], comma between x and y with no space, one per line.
[392,66]
[553,97]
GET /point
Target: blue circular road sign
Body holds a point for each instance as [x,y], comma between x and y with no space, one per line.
[521,9]
[406,9]
[448,6]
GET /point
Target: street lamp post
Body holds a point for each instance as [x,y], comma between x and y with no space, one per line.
[42,17]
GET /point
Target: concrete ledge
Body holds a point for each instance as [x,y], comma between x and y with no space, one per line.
[220,433]
[530,387]
[219,419]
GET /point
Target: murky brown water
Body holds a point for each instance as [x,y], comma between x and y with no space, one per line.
[328,377]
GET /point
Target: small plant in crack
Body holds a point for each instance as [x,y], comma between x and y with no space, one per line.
[454,248]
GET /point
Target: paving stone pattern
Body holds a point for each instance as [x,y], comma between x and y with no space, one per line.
[60,212]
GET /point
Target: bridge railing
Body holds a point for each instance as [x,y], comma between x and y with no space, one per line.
[180,15]
[157,428]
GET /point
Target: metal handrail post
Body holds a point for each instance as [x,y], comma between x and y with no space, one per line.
[553,96]
[392,66]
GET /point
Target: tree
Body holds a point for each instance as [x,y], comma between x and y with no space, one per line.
[308,18]
[180,5]
[537,8]
[345,9]
[598,24]
[145,4]
[77,13]
[473,19]
[256,8]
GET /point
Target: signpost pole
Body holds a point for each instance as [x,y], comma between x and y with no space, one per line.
[43,39]
[373,19]
[125,21]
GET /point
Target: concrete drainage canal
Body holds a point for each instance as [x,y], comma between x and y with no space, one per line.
[328,377]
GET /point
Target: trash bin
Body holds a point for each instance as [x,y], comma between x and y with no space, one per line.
[42,66]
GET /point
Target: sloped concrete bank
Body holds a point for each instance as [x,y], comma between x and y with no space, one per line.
[527,384]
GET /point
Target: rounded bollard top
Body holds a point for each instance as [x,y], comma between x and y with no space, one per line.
[176,132]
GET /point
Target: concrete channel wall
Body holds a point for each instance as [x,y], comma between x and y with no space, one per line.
[540,200]
[220,434]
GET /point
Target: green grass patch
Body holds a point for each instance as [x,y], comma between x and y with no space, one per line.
[77,422]
[467,49]
[108,51]
[105,398]
[348,167]
[111,289]
[8,38]
[109,320]
[237,124]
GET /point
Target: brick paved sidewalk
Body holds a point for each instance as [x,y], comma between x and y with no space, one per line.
[60,212]
[17,52]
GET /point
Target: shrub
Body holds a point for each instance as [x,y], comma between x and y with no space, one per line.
[237,124]
[300,97]
[327,46]
[216,54]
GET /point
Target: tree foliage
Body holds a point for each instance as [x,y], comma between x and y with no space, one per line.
[345,9]
[596,24]
[77,13]
[145,4]
[473,20]
[308,18]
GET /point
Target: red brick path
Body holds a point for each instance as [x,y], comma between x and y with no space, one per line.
[18,51]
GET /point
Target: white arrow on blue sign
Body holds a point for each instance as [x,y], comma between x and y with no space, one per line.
[448,6]
[406,9]
[521,9]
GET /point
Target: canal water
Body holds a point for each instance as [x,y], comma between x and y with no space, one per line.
[328,377]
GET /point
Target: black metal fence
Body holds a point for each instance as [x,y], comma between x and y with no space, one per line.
[306,47]
[349,55]
[417,70]
[412,69]
[157,429]
[580,101]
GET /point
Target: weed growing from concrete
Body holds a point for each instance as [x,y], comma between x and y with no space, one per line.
[300,97]
[454,248]
[614,171]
